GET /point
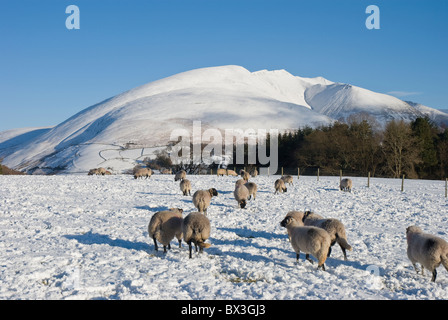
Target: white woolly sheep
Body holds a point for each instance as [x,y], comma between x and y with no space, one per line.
[287,179]
[97,171]
[221,172]
[196,230]
[280,186]
[182,174]
[241,195]
[346,185]
[310,240]
[298,217]
[164,226]
[143,172]
[334,227]
[252,187]
[202,199]
[166,171]
[231,173]
[185,187]
[428,250]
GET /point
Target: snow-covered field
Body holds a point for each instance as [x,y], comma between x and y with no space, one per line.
[85,237]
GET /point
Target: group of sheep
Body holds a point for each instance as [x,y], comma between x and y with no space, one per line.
[307,231]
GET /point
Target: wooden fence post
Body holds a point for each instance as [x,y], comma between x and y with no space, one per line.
[340,176]
[446,187]
[298,173]
[368,180]
[402,183]
[317,174]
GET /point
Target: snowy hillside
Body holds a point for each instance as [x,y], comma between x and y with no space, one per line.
[85,237]
[220,97]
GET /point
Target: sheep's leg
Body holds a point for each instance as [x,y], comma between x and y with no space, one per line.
[329,251]
[155,244]
[169,246]
[415,267]
[164,249]
[345,254]
[307,256]
[180,243]
[189,247]
[297,256]
[434,275]
[322,266]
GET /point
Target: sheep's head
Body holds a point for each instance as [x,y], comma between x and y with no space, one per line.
[243,204]
[287,221]
[213,192]
[285,189]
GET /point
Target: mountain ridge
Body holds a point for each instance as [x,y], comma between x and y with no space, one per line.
[220,97]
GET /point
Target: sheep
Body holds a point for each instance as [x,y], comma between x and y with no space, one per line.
[428,250]
[182,174]
[202,199]
[245,175]
[221,172]
[164,226]
[143,172]
[287,179]
[185,187]
[231,173]
[241,195]
[165,171]
[334,227]
[311,240]
[280,186]
[254,173]
[252,187]
[196,230]
[346,185]
[97,171]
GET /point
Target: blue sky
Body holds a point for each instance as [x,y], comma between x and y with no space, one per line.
[48,73]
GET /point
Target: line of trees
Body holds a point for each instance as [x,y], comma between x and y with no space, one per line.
[417,149]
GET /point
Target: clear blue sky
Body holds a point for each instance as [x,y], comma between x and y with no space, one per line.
[48,73]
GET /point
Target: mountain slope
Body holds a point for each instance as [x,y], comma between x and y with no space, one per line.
[220,97]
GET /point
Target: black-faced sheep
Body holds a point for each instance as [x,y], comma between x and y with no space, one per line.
[334,227]
[164,226]
[280,186]
[182,174]
[143,172]
[185,187]
[346,185]
[196,230]
[203,198]
[310,240]
[241,194]
[252,187]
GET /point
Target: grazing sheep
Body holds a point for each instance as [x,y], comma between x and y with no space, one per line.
[231,173]
[196,229]
[428,250]
[311,240]
[254,173]
[164,226]
[241,195]
[252,187]
[334,227]
[280,186]
[143,172]
[166,171]
[97,171]
[185,187]
[182,174]
[346,185]
[202,199]
[287,179]
[221,172]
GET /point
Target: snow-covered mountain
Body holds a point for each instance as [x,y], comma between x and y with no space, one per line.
[220,97]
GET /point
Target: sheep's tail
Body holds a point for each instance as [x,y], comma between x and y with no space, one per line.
[201,205]
[343,243]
